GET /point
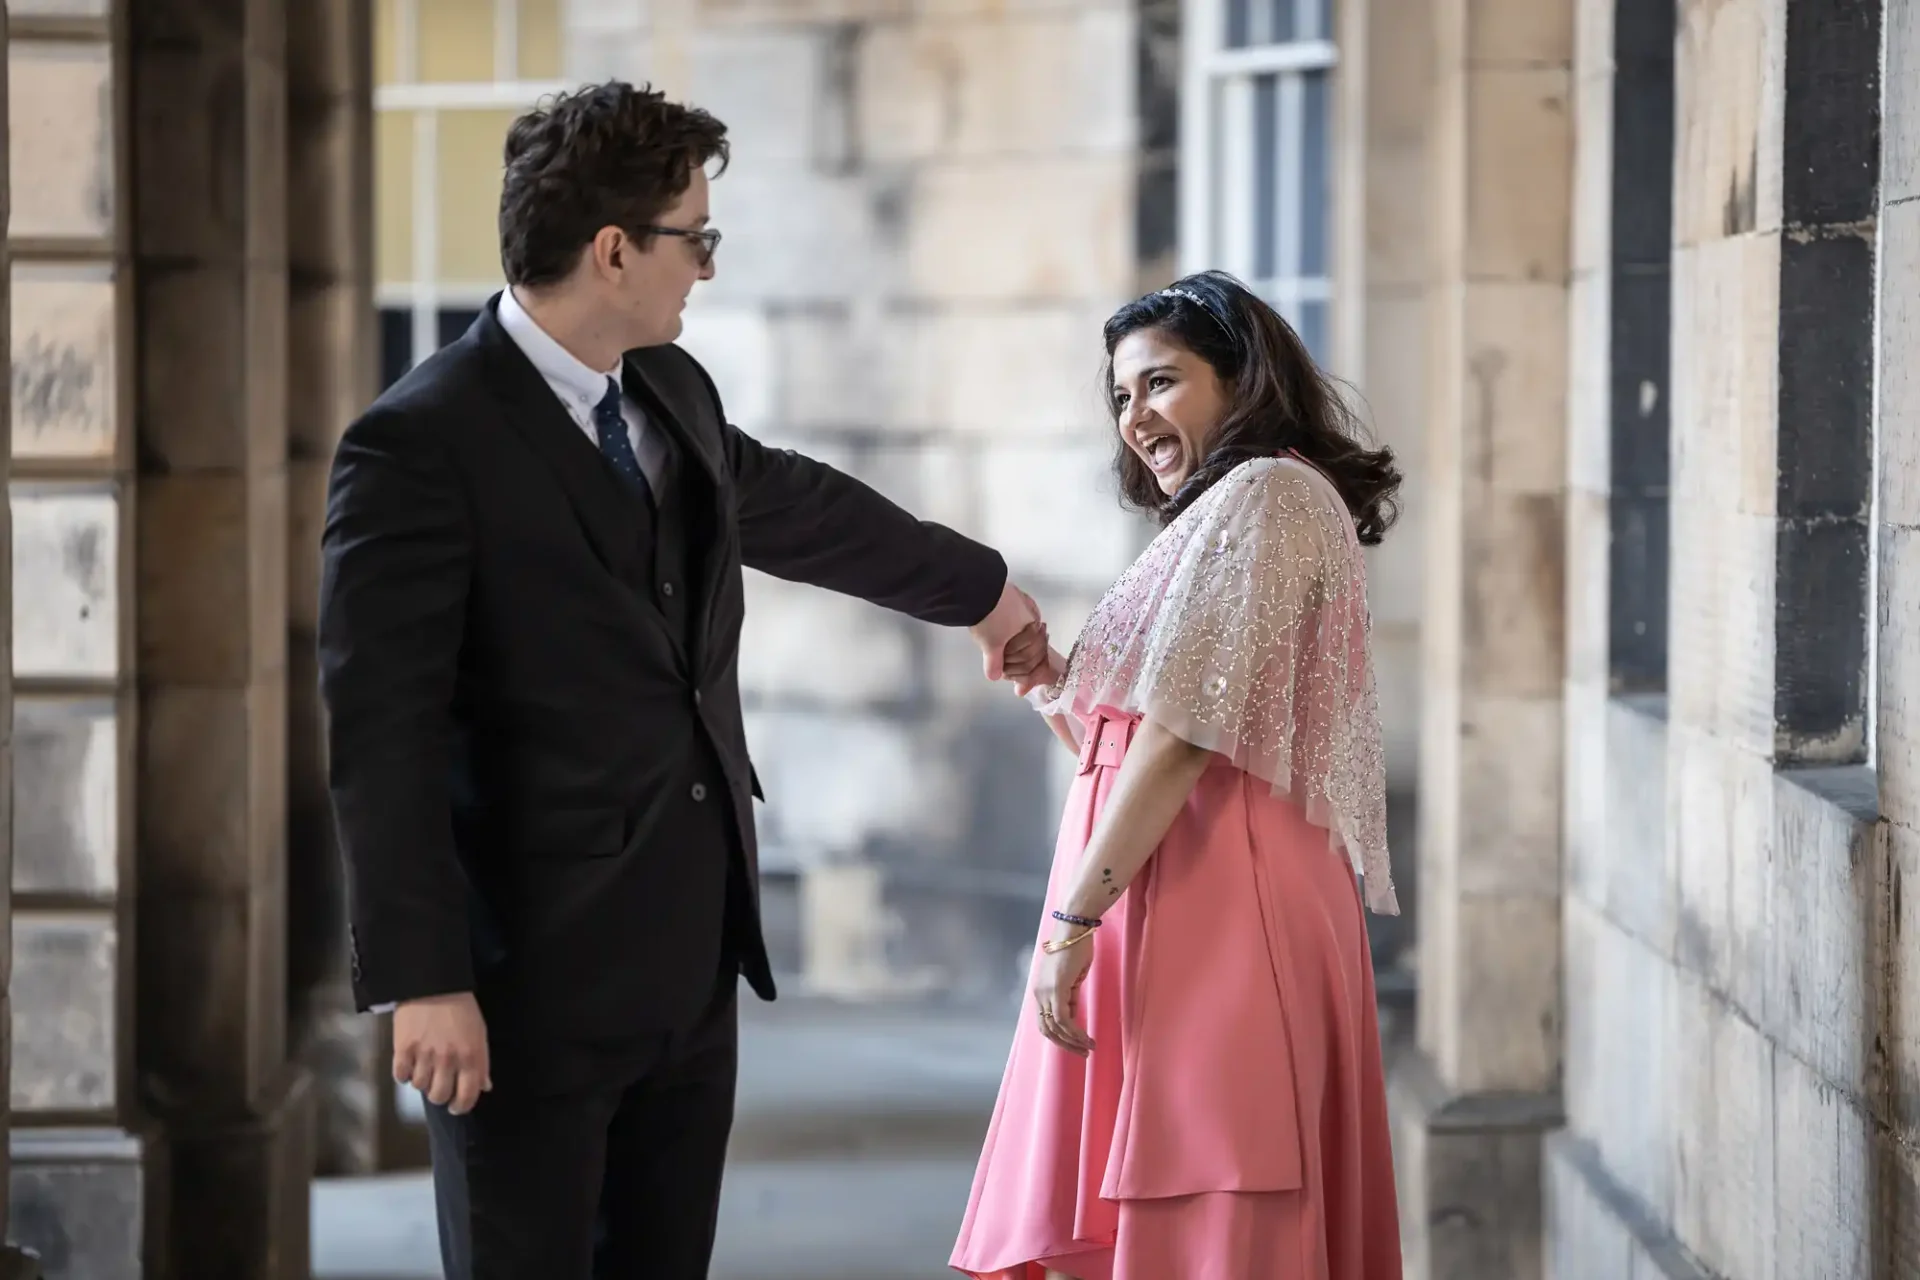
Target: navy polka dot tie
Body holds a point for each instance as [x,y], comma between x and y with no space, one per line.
[612,429]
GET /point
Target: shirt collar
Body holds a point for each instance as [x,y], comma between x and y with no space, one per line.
[554,362]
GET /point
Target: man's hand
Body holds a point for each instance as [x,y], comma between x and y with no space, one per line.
[440,1048]
[1014,612]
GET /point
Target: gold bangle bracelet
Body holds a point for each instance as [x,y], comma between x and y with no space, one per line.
[1053,947]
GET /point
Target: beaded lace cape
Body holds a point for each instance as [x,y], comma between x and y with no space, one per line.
[1243,628]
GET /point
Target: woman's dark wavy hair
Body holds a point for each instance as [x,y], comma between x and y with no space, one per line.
[1278,399]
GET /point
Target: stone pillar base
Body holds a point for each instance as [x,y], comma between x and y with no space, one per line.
[90,1203]
[1468,1168]
[241,1190]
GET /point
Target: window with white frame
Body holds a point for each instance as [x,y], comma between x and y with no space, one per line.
[450,76]
[1256,142]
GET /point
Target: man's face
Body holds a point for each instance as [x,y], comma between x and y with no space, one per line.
[655,273]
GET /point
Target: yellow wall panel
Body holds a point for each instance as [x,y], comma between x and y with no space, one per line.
[393,196]
[456,41]
[539,39]
[386,42]
[470,165]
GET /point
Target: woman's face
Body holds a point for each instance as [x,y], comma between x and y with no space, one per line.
[1169,402]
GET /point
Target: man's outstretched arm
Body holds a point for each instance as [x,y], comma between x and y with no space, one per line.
[803,521]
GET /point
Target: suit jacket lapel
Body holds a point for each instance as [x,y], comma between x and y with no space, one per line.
[596,494]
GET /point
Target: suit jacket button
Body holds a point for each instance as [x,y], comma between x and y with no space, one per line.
[666,589]
[699,791]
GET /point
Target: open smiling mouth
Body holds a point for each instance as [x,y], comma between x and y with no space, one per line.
[1163,452]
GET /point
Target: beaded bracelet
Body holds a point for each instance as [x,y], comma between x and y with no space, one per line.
[1082,921]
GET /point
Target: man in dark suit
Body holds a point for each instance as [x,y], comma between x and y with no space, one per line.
[529,632]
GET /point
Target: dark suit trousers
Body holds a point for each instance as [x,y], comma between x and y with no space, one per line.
[616,1181]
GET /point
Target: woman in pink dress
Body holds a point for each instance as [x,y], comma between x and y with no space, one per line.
[1196,1090]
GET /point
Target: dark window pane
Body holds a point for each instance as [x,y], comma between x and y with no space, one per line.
[396,345]
[1266,160]
[1313,174]
[1319,20]
[1311,325]
[1283,24]
[1237,23]
[454,322]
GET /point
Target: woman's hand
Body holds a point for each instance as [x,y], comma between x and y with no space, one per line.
[1056,988]
[1028,659]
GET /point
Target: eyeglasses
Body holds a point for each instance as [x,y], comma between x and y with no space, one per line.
[706,237]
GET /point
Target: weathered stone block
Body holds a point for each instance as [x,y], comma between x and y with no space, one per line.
[1899,421]
[208,145]
[64,997]
[593,54]
[1045,364]
[85,1200]
[967,243]
[1903,1001]
[852,14]
[1828,889]
[795,234]
[1618,1073]
[212,1010]
[1722,1080]
[213,382]
[1589,544]
[843,785]
[213,765]
[60,140]
[213,577]
[66,580]
[1052,510]
[770,84]
[1514,595]
[1641,861]
[1721,655]
[1825,1180]
[1586,829]
[1897,726]
[1039,84]
[1586,1240]
[1725,380]
[1720,802]
[1516,404]
[1900,112]
[1520,32]
[736,344]
[1593,166]
[1509,984]
[66,375]
[810,646]
[1730,63]
[1519,140]
[66,796]
[1511,754]
[327,185]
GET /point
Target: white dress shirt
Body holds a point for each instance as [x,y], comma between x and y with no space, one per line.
[580,388]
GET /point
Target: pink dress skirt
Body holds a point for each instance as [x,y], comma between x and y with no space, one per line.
[1231,1122]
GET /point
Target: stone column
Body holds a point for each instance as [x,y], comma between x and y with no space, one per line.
[15,1263]
[331,371]
[81,1184]
[1470,1106]
[209,109]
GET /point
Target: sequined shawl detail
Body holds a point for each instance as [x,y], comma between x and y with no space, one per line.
[1243,628]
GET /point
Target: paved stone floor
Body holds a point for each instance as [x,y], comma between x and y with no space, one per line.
[854,1148]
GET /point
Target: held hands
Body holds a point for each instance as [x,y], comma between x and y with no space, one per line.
[1013,642]
[440,1048]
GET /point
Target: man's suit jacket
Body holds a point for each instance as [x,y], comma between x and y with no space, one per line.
[515,728]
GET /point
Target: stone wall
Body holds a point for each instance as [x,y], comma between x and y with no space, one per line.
[1738,1044]
[930,211]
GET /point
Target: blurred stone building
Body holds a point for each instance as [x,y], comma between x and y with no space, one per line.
[1613,277]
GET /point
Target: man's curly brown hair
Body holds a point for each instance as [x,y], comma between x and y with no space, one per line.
[607,155]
